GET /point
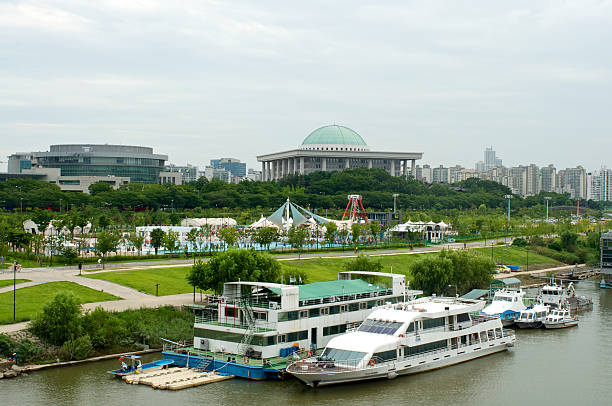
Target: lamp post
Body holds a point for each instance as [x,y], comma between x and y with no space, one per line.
[14,290]
[508,224]
[547,198]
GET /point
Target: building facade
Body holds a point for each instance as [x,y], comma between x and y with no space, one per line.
[139,164]
[231,165]
[334,148]
[189,173]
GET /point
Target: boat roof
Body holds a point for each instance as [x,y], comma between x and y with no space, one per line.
[362,342]
[507,281]
[428,307]
[475,294]
[317,290]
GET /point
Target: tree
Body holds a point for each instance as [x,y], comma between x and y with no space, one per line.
[69,254]
[375,230]
[232,265]
[431,274]
[330,232]
[137,240]
[107,242]
[363,264]
[297,237]
[170,240]
[568,240]
[103,222]
[228,235]
[157,238]
[100,187]
[355,232]
[192,237]
[265,236]
[60,320]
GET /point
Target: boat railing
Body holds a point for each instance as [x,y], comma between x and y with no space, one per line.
[170,345]
[318,365]
[260,326]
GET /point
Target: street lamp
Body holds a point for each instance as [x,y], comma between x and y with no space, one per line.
[14,290]
[508,224]
[547,198]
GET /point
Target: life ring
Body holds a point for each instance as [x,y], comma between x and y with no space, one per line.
[401,336]
[308,354]
[372,362]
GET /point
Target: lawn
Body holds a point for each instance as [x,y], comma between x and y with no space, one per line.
[30,300]
[171,280]
[518,256]
[9,282]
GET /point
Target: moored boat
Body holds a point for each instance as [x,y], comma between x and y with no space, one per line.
[533,317]
[407,338]
[507,304]
[132,364]
[560,318]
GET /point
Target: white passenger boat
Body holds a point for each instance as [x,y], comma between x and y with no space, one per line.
[407,338]
[559,295]
[507,304]
[533,317]
[560,318]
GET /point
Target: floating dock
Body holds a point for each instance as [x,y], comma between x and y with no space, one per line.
[176,378]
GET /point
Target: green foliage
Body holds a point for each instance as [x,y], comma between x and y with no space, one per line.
[170,240]
[520,242]
[157,238]
[137,240]
[330,232]
[76,349]
[7,345]
[433,274]
[197,276]
[99,188]
[59,321]
[102,328]
[28,351]
[69,254]
[363,264]
[568,240]
[266,236]
[107,242]
[228,235]
[297,237]
[355,232]
[232,265]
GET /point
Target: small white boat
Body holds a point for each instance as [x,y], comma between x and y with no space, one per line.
[533,317]
[507,304]
[560,318]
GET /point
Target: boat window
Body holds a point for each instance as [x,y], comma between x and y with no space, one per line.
[363,305]
[433,323]
[385,355]
[353,307]
[410,328]
[343,308]
[331,330]
[463,317]
[490,334]
[230,312]
[303,314]
[498,333]
[342,355]
[334,310]
[483,336]
[379,326]
[288,316]
[260,316]
[436,345]
[324,311]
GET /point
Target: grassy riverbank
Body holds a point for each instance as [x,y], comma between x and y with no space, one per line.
[30,300]
[9,282]
[171,280]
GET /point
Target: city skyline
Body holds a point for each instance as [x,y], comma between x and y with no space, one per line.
[203,80]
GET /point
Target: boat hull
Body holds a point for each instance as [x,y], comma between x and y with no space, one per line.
[152,366]
[529,324]
[393,369]
[561,325]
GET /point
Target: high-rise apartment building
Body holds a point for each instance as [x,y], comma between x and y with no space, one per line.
[601,185]
[548,178]
[572,181]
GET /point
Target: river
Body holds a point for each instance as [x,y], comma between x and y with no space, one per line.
[558,367]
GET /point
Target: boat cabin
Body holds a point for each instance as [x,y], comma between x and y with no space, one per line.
[265,320]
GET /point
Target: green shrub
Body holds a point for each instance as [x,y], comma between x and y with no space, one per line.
[60,320]
[520,242]
[7,345]
[79,348]
[28,351]
[104,329]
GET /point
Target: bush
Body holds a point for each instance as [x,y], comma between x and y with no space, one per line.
[28,351]
[555,245]
[103,328]
[60,320]
[79,348]
[520,242]
[7,345]
[565,257]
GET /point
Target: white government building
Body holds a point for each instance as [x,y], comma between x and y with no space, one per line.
[335,148]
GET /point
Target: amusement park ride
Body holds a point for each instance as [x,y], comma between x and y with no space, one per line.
[354,210]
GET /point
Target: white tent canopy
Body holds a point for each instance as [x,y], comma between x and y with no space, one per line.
[213,222]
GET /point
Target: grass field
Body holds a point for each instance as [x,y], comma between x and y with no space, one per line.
[30,300]
[518,256]
[9,282]
[171,280]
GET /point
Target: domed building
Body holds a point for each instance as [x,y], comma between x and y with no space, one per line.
[335,148]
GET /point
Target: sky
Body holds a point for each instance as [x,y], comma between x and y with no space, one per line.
[198,80]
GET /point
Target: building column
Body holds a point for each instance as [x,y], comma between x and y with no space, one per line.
[369,163]
[413,168]
[347,163]
[301,165]
[393,167]
[323,164]
[274,169]
[404,167]
[285,163]
[263,171]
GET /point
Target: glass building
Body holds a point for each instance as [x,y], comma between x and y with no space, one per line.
[140,164]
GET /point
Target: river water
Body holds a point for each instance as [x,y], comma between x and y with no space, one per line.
[559,367]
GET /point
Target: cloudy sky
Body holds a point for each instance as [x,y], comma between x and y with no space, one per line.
[203,79]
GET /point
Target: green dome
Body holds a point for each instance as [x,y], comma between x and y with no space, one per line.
[334,135]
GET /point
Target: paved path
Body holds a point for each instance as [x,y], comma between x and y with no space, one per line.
[537,271]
